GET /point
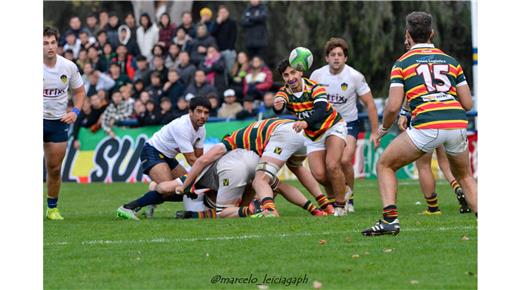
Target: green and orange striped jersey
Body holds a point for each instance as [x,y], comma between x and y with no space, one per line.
[430,77]
[303,107]
[254,137]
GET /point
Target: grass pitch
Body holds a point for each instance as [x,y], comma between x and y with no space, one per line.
[92,249]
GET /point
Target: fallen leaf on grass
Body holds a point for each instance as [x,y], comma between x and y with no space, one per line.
[465,238]
[262,286]
[387,250]
[355,256]
[413,282]
[322,242]
[316,285]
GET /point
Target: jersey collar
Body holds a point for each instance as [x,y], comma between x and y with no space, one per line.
[423,45]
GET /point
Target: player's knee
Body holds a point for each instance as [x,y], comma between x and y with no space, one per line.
[54,170]
[333,165]
[320,176]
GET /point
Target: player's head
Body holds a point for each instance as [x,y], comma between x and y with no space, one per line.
[336,53]
[50,42]
[291,76]
[419,27]
[199,110]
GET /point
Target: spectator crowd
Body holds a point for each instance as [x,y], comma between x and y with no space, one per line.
[138,72]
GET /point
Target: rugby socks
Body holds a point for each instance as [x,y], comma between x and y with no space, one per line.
[433,203]
[308,206]
[455,185]
[252,208]
[351,199]
[322,200]
[52,202]
[268,204]
[207,214]
[390,213]
[151,197]
[340,204]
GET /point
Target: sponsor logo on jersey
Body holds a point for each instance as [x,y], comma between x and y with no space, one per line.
[344,86]
[304,115]
[278,150]
[225,182]
[63,79]
[336,99]
[51,93]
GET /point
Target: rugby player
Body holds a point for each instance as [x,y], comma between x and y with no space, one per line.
[185,135]
[436,90]
[344,85]
[59,74]
[323,127]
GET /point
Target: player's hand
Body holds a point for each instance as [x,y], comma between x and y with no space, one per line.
[380,133]
[374,140]
[179,189]
[69,118]
[300,125]
[402,122]
[278,103]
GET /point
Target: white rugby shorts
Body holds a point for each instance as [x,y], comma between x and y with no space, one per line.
[455,141]
[284,142]
[339,129]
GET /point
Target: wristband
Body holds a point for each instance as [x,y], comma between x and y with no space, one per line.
[404,112]
[76,111]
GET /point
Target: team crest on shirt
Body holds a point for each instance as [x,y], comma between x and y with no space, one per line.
[63,79]
[344,86]
[278,150]
[225,182]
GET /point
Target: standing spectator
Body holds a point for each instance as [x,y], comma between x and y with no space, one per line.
[124,37]
[125,61]
[258,80]
[158,66]
[143,71]
[266,107]
[238,74]
[118,110]
[225,34]
[186,68]
[181,108]
[166,30]
[74,28]
[112,29]
[215,68]
[182,39]
[155,89]
[151,116]
[254,22]
[103,19]
[200,44]
[89,117]
[120,78]
[205,19]
[172,58]
[147,35]
[200,87]
[249,110]
[173,88]
[230,107]
[130,22]
[72,43]
[213,100]
[166,114]
[187,24]
[92,27]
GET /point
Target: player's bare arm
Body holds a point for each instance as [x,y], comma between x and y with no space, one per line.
[392,108]
[464,94]
[79,98]
[368,101]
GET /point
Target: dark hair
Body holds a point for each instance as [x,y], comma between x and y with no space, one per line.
[199,101]
[92,14]
[282,66]
[165,99]
[419,25]
[156,74]
[140,58]
[336,42]
[50,31]
[169,20]
[101,32]
[149,21]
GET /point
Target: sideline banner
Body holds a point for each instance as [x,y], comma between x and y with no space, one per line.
[103,159]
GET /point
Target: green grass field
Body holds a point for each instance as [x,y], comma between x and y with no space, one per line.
[92,249]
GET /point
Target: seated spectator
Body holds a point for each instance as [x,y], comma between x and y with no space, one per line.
[151,116]
[214,66]
[82,59]
[86,40]
[158,66]
[144,97]
[72,43]
[201,44]
[158,50]
[185,68]
[124,34]
[95,60]
[182,39]
[266,107]
[249,110]
[155,89]
[172,58]
[142,72]
[126,93]
[107,56]
[125,61]
[166,114]
[138,89]
[182,107]
[139,112]
[118,77]
[258,80]
[147,35]
[101,40]
[89,117]
[230,107]
[213,100]
[118,110]
[200,87]
[166,30]
[238,74]
[173,88]
[205,19]
[69,54]
[98,81]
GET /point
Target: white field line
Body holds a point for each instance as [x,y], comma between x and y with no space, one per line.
[242,237]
